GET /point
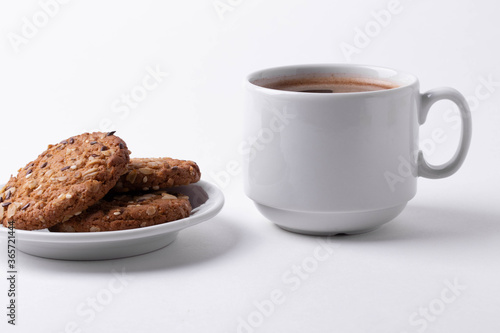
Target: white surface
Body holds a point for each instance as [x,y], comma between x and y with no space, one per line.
[206,200]
[67,78]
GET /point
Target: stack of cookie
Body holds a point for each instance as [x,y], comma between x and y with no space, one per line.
[89,183]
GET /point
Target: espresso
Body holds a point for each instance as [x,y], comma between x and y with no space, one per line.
[325,84]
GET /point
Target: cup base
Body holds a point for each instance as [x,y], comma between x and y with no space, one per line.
[330,223]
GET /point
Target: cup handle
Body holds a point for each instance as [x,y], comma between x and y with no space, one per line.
[447,169]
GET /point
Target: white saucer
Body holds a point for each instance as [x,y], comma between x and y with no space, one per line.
[206,199]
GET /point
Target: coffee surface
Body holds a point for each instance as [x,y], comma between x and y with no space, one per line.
[325,84]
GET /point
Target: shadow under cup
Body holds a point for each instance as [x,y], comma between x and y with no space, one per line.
[321,162]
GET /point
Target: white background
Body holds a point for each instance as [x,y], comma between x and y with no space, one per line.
[69,74]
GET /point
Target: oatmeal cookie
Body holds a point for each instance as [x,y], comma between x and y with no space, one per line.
[128,211]
[63,181]
[145,174]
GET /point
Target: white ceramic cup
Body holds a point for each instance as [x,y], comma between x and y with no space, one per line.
[332,163]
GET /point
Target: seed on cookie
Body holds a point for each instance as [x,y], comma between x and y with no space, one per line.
[154,165]
[131,176]
[90,175]
[94,161]
[32,184]
[145,171]
[11,210]
[151,210]
[90,171]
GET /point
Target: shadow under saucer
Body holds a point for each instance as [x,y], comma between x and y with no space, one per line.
[199,244]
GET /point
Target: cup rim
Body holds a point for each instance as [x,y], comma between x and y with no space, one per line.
[409,79]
